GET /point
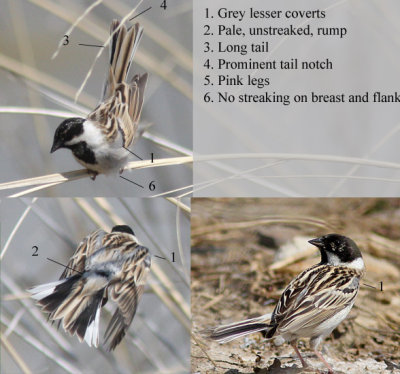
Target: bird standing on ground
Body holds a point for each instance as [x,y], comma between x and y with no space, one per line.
[105,265]
[98,141]
[313,303]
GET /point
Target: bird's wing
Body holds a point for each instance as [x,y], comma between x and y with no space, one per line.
[126,294]
[85,248]
[76,264]
[136,96]
[132,109]
[120,114]
[314,296]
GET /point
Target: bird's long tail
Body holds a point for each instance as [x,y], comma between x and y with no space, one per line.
[76,300]
[235,330]
[123,47]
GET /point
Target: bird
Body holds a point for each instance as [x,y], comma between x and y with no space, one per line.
[104,266]
[99,142]
[313,304]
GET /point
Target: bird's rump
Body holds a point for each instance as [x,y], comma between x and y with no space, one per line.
[104,266]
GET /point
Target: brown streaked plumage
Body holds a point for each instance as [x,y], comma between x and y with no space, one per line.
[313,303]
[122,101]
[104,266]
[98,141]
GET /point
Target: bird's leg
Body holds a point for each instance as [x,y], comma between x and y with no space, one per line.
[93,174]
[294,345]
[324,361]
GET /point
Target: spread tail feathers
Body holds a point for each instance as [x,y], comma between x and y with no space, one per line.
[226,333]
[76,302]
[123,46]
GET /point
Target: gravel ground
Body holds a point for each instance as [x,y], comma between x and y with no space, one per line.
[245,251]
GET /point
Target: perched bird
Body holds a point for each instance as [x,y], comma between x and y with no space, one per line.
[98,141]
[105,265]
[313,303]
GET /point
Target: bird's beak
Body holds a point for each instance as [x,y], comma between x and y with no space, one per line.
[54,147]
[317,242]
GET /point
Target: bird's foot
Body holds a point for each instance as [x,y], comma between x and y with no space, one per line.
[93,174]
[329,367]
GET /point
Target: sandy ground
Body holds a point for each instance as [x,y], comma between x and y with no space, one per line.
[244,253]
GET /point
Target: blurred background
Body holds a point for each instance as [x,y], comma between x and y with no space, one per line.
[30,32]
[246,251]
[158,338]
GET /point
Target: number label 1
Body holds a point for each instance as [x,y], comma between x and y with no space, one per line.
[173,256]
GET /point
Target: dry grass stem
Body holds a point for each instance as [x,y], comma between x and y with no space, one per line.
[52,179]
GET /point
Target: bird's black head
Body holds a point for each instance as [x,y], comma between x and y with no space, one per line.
[336,249]
[66,131]
[123,228]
